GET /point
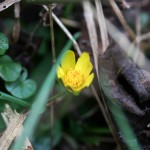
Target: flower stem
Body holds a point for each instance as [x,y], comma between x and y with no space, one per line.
[53,98]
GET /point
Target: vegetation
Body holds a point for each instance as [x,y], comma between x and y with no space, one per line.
[74,75]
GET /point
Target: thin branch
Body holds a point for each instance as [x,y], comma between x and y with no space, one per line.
[57,20]
[54,60]
[52,34]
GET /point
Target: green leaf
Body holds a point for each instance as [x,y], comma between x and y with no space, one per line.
[9,70]
[24,74]
[21,88]
[2,124]
[57,131]
[3,44]
[15,101]
[91,139]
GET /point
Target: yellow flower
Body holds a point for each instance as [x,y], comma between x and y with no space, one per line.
[75,75]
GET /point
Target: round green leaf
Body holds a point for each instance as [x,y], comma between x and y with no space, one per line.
[21,88]
[9,70]
[24,74]
[3,44]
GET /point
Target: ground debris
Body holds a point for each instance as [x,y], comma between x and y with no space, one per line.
[13,121]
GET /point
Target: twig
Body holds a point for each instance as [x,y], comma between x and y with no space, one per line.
[52,33]
[17,26]
[34,30]
[54,60]
[57,20]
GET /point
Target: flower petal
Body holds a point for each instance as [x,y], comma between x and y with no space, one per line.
[82,60]
[87,69]
[89,80]
[84,65]
[68,61]
[60,73]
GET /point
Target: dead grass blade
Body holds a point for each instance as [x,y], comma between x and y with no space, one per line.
[89,18]
[102,25]
[75,44]
[61,25]
[145,36]
[90,14]
[7,3]
[13,121]
[127,46]
[122,19]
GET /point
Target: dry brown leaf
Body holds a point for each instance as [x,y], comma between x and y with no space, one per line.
[13,121]
[102,25]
